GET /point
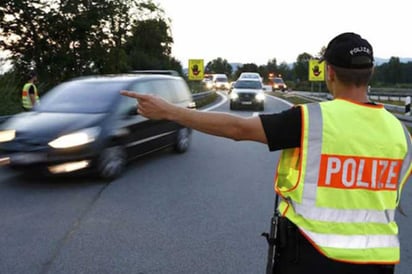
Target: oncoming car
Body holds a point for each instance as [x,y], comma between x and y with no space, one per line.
[208,81]
[279,84]
[86,125]
[250,75]
[220,82]
[247,93]
[208,84]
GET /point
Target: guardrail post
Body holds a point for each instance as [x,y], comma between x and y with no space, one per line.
[408,105]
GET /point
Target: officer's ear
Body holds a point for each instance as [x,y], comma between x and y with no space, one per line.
[330,73]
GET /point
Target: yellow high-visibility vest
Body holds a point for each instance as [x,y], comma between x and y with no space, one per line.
[342,186]
[25,99]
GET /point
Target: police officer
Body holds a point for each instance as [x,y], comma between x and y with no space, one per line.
[341,172]
[30,96]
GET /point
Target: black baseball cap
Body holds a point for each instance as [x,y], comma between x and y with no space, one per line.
[349,50]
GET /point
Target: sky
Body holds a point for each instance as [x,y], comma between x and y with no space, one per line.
[257,31]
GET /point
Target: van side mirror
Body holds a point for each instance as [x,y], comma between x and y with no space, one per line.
[132,111]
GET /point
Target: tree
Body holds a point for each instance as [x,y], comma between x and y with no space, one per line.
[150,45]
[21,35]
[263,72]
[285,71]
[301,67]
[407,72]
[394,72]
[249,67]
[272,66]
[67,38]
[219,65]
[321,52]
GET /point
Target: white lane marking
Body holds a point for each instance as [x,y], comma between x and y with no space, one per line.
[218,104]
[279,99]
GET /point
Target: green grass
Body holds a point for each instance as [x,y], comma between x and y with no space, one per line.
[207,100]
[290,98]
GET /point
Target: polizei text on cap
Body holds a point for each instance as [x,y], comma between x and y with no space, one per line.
[360,49]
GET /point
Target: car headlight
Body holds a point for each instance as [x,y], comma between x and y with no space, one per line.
[75,139]
[233,95]
[7,135]
[260,97]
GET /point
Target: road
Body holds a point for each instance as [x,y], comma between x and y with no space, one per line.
[198,212]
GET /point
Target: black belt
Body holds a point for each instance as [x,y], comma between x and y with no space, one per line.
[286,230]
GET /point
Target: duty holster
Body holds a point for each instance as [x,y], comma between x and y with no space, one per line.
[276,238]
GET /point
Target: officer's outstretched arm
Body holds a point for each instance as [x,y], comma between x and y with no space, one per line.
[215,123]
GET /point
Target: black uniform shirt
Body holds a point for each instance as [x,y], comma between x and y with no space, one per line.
[31,89]
[283,129]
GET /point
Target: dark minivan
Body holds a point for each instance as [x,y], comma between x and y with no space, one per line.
[85,124]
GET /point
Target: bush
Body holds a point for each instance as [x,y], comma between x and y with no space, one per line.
[196,86]
[10,89]
[206,100]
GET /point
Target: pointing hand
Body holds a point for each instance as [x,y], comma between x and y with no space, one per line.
[150,106]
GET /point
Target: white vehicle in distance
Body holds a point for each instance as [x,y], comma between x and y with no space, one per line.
[250,75]
[207,81]
[220,82]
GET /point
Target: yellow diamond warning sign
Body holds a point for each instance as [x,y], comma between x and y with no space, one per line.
[316,70]
[196,71]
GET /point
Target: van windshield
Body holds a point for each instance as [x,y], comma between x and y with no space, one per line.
[249,84]
[81,97]
[221,79]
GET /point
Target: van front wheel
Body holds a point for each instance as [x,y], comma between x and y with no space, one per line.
[111,162]
[183,140]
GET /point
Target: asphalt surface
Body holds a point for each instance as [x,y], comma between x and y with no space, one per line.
[198,212]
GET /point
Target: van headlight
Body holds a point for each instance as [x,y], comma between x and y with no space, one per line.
[233,95]
[7,135]
[260,97]
[75,139]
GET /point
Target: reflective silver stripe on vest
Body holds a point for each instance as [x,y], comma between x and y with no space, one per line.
[313,154]
[356,241]
[406,162]
[346,215]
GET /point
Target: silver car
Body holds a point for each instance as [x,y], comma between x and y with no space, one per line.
[247,93]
